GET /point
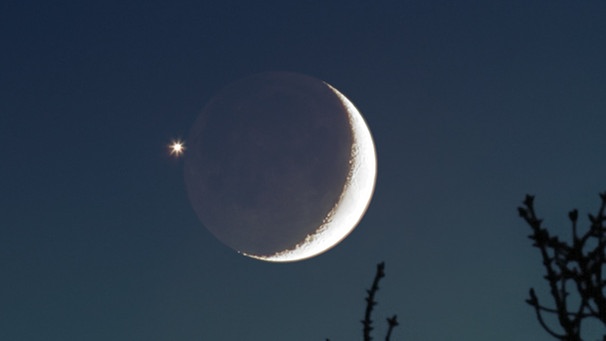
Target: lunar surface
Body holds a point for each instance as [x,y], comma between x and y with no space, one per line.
[280,166]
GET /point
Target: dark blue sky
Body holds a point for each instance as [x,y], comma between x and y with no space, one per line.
[471,104]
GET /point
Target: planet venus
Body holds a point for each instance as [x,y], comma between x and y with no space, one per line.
[280,166]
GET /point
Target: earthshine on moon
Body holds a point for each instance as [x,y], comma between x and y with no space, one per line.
[280,166]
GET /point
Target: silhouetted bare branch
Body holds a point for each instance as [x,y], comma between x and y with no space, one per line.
[371,303]
[392,322]
[576,265]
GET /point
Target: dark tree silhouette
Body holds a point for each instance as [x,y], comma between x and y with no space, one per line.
[392,322]
[577,266]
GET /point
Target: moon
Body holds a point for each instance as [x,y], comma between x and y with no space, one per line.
[280,167]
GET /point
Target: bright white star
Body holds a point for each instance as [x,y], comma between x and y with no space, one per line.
[177,147]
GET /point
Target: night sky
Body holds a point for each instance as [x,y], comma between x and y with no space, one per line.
[472,104]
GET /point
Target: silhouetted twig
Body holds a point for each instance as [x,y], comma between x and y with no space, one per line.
[371,303]
[578,264]
[392,322]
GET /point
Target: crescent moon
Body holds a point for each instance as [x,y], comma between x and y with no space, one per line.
[354,200]
[281,167]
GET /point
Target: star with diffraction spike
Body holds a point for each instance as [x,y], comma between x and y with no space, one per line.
[177,147]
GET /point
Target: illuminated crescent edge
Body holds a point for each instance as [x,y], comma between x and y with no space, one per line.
[353,202]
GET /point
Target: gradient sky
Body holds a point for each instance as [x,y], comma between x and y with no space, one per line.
[472,104]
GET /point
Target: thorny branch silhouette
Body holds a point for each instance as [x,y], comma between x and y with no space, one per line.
[392,322]
[578,265]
